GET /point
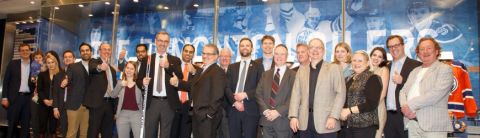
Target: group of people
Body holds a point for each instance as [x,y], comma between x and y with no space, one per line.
[359,94]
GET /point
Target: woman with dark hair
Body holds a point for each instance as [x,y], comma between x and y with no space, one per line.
[378,65]
[359,114]
[47,122]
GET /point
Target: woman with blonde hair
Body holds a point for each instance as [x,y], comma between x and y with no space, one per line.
[343,57]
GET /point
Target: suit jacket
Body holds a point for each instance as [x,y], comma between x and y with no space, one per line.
[12,80]
[260,60]
[431,106]
[330,93]
[190,78]
[44,89]
[58,93]
[97,86]
[78,82]
[207,91]
[119,91]
[172,92]
[264,90]
[407,67]
[253,76]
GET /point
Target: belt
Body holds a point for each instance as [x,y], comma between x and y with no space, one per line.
[310,109]
[160,97]
[109,99]
[392,111]
[25,93]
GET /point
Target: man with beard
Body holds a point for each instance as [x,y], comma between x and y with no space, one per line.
[141,51]
[243,78]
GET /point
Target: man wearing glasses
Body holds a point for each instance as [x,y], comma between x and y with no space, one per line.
[400,68]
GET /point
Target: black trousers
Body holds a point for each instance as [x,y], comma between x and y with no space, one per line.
[182,123]
[19,112]
[101,120]
[242,125]
[312,133]
[394,127]
[351,132]
[204,127]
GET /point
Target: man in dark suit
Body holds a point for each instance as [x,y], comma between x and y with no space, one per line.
[273,96]
[182,122]
[75,84]
[302,56]
[122,59]
[243,78]
[59,96]
[224,60]
[268,42]
[162,98]
[400,68]
[141,51]
[17,93]
[99,92]
[207,91]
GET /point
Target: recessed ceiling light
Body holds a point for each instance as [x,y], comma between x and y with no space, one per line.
[56,8]
[80,5]
[39,20]
[107,3]
[30,17]
[90,15]
[136,1]
[32,2]
[264,0]
[24,22]
[31,21]
[17,22]
[166,8]
[195,5]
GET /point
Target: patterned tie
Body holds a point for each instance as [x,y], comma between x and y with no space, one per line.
[110,82]
[159,76]
[275,84]
[242,77]
[183,95]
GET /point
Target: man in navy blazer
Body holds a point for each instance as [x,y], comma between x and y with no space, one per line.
[17,93]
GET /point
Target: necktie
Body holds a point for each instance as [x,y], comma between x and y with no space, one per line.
[159,76]
[275,85]
[66,88]
[183,95]
[242,77]
[109,79]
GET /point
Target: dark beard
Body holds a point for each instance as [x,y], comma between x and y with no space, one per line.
[245,55]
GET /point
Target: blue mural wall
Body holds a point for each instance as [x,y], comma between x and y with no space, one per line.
[367,24]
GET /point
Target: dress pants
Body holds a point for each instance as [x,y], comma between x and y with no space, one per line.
[19,112]
[182,123]
[242,125]
[77,119]
[128,120]
[204,127]
[352,132]
[310,132]
[159,112]
[279,128]
[394,127]
[101,119]
[414,131]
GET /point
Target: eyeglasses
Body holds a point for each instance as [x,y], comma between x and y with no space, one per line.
[208,54]
[394,46]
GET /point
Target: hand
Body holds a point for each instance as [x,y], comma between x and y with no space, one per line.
[191,69]
[124,83]
[174,80]
[407,112]
[146,81]
[294,124]
[48,102]
[164,63]
[239,96]
[272,115]
[5,103]
[239,106]
[330,123]
[56,113]
[64,82]
[397,78]
[344,114]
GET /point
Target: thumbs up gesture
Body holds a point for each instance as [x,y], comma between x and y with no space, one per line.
[64,82]
[397,78]
[174,80]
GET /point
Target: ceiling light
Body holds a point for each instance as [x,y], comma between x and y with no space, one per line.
[136,1]
[30,17]
[31,21]
[17,22]
[80,5]
[166,8]
[57,8]
[32,2]
[264,0]
[24,22]
[90,15]
[195,5]
[107,3]
[39,20]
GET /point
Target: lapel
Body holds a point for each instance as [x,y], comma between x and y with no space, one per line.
[268,85]
[204,73]
[321,74]
[249,70]
[283,85]
[430,71]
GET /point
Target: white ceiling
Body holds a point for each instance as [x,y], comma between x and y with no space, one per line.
[18,6]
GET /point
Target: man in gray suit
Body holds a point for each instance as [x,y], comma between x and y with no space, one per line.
[424,98]
[318,95]
[273,96]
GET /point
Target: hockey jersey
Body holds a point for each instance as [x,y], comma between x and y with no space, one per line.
[461,101]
